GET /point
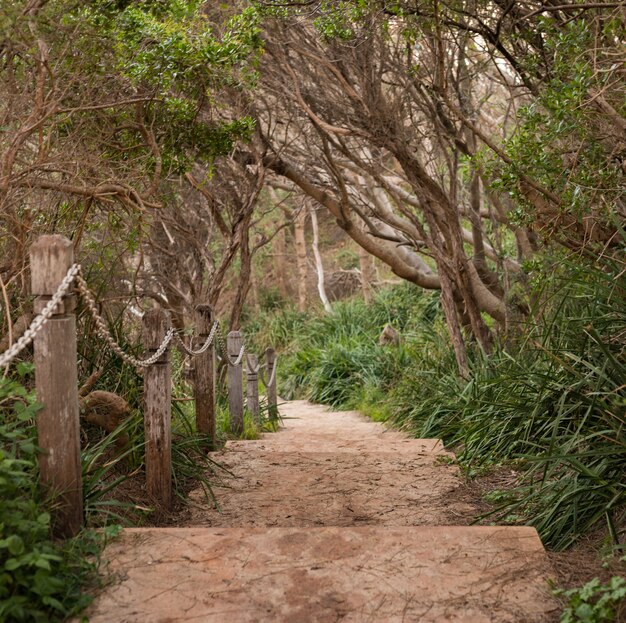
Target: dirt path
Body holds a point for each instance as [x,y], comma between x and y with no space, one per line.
[336,469]
[333,518]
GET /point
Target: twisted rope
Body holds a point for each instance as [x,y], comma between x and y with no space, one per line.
[239,359]
[222,345]
[207,343]
[40,320]
[225,355]
[103,331]
[273,375]
[251,368]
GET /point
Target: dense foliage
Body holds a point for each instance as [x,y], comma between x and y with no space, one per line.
[475,149]
[40,580]
[550,399]
[104,106]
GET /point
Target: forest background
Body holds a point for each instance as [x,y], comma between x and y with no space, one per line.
[452,169]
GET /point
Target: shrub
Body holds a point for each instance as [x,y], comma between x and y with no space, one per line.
[40,580]
[594,602]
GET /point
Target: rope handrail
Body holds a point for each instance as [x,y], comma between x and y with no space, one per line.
[225,355]
[239,358]
[102,330]
[42,318]
[251,368]
[207,343]
[272,376]
[53,332]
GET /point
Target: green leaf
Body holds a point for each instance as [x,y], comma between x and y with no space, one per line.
[12,564]
[15,545]
[44,519]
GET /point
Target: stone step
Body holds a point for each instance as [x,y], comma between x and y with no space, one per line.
[291,441]
[300,489]
[321,575]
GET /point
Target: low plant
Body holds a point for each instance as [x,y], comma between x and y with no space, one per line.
[550,397]
[40,580]
[594,602]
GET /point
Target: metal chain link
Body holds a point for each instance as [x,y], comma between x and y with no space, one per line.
[207,344]
[103,331]
[46,313]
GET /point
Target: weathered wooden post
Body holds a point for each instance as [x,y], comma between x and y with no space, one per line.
[58,426]
[204,377]
[253,388]
[235,382]
[157,398]
[272,397]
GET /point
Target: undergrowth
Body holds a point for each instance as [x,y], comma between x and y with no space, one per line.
[594,602]
[41,579]
[550,398]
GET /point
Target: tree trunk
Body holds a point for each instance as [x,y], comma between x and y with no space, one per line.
[245,271]
[452,321]
[281,261]
[254,291]
[318,262]
[279,249]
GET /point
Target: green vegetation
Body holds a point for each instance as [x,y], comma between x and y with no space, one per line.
[40,580]
[478,151]
[594,602]
[550,398]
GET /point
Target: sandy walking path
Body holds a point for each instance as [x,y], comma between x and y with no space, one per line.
[333,518]
[329,468]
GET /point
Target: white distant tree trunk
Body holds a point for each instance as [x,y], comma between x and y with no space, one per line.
[318,262]
[299,224]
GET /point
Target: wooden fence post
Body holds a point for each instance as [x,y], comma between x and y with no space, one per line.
[235,383]
[253,388]
[272,398]
[56,381]
[157,397]
[204,377]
